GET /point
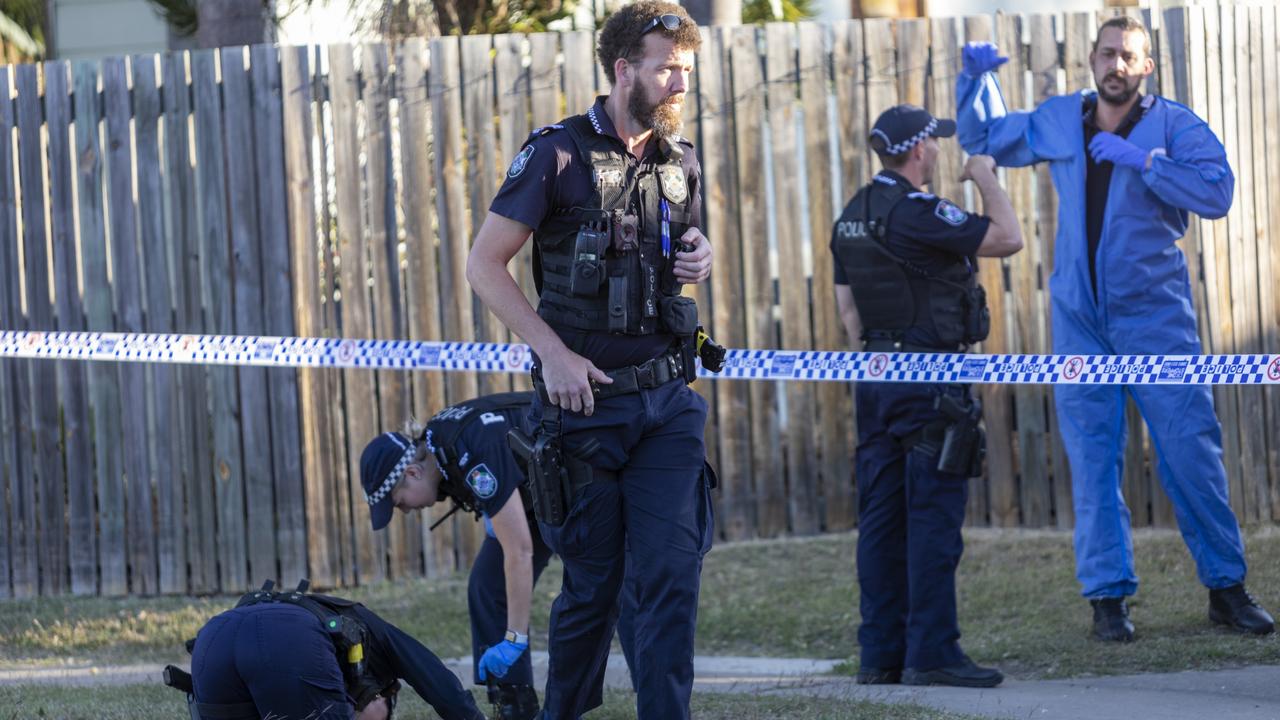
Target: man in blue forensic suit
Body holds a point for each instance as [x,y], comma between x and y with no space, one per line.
[463,454]
[612,199]
[1128,168]
[298,655]
[905,282]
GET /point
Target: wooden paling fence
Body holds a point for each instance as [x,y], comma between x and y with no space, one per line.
[334,192]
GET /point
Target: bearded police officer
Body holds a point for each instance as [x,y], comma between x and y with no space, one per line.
[462,454]
[905,282]
[612,198]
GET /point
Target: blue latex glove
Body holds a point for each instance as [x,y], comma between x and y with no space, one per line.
[1109,147]
[499,658]
[981,57]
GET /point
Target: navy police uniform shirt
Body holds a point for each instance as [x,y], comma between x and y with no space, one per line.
[548,175]
[393,653]
[926,230]
[489,468]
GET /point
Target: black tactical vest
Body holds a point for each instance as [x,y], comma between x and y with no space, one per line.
[444,430]
[893,295]
[349,634]
[600,267]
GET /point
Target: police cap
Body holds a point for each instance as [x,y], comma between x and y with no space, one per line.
[899,128]
[382,464]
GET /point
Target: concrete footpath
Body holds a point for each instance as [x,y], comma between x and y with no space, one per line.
[1251,693]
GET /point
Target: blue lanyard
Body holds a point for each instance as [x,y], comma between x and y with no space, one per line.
[666,227]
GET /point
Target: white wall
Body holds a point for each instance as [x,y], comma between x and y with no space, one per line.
[94,29]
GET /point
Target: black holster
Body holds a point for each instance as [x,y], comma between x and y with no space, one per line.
[556,477]
[964,443]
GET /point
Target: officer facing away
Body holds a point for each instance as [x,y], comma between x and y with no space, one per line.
[463,454]
[298,655]
[905,282]
[612,199]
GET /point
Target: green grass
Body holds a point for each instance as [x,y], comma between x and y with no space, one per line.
[153,702]
[1020,609]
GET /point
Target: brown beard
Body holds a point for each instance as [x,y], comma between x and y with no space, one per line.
[662,117]
[1121,97]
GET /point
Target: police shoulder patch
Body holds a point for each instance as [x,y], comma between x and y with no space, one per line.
[482,482]
[948,213]
[521,162]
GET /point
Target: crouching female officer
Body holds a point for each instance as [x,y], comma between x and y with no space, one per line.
[463,454]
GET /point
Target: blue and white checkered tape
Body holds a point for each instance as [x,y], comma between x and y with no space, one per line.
[818,365]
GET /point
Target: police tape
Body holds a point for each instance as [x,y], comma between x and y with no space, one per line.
[817,365]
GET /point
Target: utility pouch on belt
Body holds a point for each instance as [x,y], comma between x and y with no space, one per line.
[679,315]
[588,271]
[977,318]
[964,444]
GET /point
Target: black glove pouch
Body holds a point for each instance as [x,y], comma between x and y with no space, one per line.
[678,315]
[977,318]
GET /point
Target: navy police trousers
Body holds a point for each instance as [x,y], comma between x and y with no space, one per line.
[658,509]
[487,605]
[909,544]
[276,656]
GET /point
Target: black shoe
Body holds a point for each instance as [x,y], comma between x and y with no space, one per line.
[1236,608]
[513,702]
[877,676]
[966,674]
[1111,620]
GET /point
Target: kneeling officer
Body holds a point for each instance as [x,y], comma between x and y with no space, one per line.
[296,655]
[904,281]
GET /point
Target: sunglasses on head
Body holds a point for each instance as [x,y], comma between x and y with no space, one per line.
[668,21]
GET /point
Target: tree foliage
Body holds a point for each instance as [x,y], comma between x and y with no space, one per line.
[761,11]
[22,24]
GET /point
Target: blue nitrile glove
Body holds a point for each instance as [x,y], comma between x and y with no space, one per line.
[499,658]
[981,57]
[1109,147]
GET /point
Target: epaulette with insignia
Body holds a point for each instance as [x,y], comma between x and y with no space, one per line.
[921,195]
[883,180]
[545,130]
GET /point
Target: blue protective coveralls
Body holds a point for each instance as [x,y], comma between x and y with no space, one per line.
[1143,307]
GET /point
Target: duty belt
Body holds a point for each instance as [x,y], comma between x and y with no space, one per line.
[649,374]
[887,345]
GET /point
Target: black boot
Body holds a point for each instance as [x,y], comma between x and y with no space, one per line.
[965,674]
[1111,619]
[513,702]
[1236,608]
